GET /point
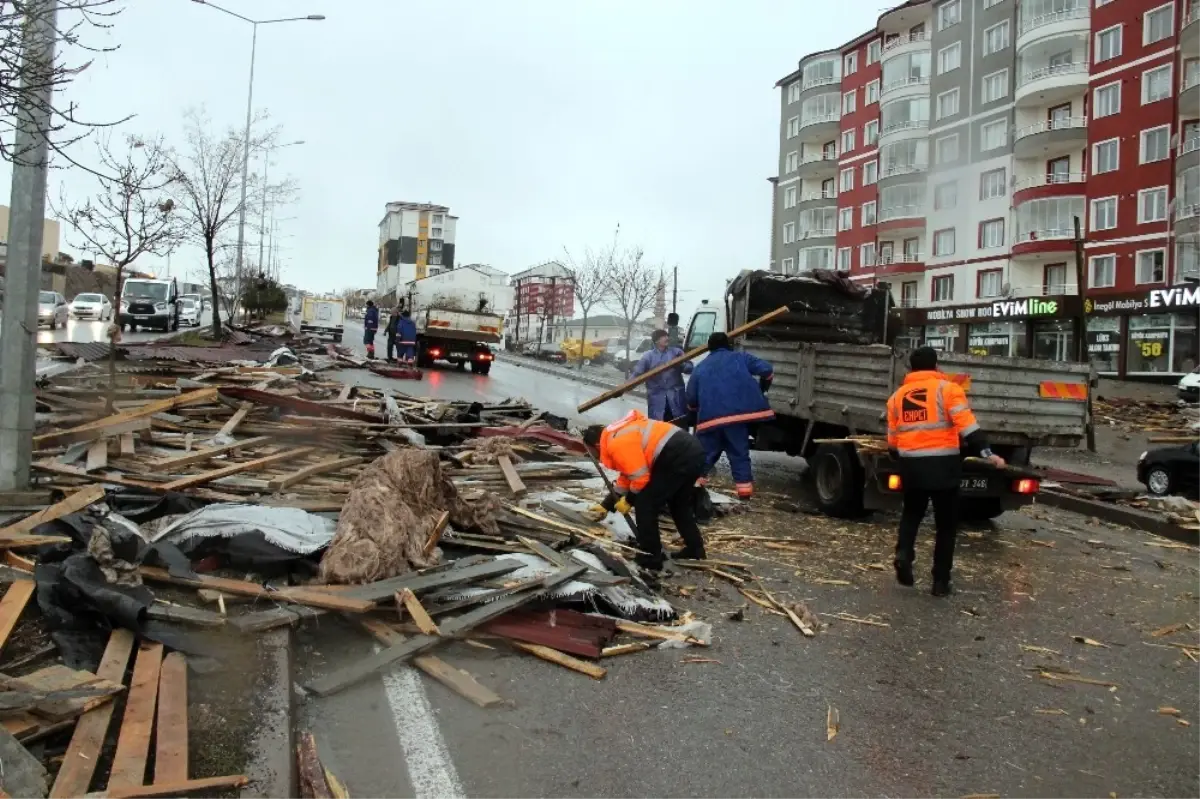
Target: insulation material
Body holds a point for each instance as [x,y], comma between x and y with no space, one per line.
[392,508]
[483,451]
[260,537]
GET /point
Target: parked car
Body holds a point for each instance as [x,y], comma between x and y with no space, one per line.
[91,306]
[1189,386]
[189,312]
[636,350]
[550,351]
[1171,470]
[52,309]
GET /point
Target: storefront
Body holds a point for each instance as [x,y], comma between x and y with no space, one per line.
[1039,327]
[1148,334]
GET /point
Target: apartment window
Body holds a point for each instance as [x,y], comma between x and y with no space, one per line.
[1106,101]
[991,234]
[827,189]
[792,162]
[1156,24]
[911,250]
[843,259]
[435,245]
[947,104]
[788,265]
[829,150]
[435,232]
[794,92]
[990,3]
[1104,272]
[945,149]
[1152,205]
[1156,144]
[846,179]
[1156,84]
[945,195]
[943,242]
[872,92]
[988,283]
[870,173]
[1108,43]
[437,219]
[789,232]
[1106,156]
[949,58]
[435,259]
[1104,213]
[850,64]
[908,294]
[793,127]
[871,133]
[942,288]
[1058,170]
[993,135]
[866,255]
[1151,266]
[845,218]
[1054,279]
[847,140]
[995,86]
[874,50]
[949,13]
[995,38]
[789,197]
[849,102]
[868,213]
[993,183]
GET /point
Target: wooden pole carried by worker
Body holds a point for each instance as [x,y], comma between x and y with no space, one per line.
[625,388]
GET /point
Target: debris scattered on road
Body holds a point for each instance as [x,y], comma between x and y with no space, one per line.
[832,722]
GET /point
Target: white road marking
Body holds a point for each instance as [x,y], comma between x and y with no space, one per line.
[430,769]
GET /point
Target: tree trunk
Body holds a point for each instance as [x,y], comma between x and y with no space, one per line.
[628,341]
[216,297]
[583,340]
[112,343]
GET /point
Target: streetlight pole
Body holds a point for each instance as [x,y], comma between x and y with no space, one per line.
[241,238]
[262,217]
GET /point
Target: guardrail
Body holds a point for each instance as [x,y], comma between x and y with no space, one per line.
[1077,11]
[1049,180]
[1055,71]
[1068,123]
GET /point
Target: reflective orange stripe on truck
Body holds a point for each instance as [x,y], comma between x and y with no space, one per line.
[1068,391]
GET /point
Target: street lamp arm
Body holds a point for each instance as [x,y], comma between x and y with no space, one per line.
[225,10]
[309,18]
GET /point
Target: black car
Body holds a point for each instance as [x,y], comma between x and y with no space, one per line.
[1171,470]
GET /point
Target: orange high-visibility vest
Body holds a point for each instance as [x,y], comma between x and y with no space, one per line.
[630,445]
[928,415]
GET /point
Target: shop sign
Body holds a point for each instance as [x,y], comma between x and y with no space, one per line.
[958,314]
[1177,297]
[1100,342]
[1031,306]
[1024,308]
[1153,300]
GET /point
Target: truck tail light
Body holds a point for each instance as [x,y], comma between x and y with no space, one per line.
[1026,485]
[894,482]
[435,353]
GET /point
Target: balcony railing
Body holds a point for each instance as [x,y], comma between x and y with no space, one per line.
[1056,71]
[1192,14]
[1078,10]
[817,233]
[902,258]
[1190,79]
[818,195]
[903,169]
[821,156]
[907,124]
[1190,145]
[910,302]
[910,38]
[821,119]
[901,212]
[1049,179]
[900,83]
[1046,234]
[812,83]
[1067,123]
[1186,211]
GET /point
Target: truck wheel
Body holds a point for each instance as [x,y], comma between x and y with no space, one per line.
[461,365]
[838,479]
[337,339]
[132,328]
[175,323]
[485,368]
[979,510]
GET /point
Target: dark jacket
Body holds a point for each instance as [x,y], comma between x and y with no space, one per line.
[406,331]
[393,320]
[371,319]
[724,389]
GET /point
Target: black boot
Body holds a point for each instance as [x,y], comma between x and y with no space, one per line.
[687,553]
[941,588]
[650,562]
[904,572]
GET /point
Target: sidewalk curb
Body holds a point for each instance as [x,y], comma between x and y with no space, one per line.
[272,765]
[1118,514]
[534,366]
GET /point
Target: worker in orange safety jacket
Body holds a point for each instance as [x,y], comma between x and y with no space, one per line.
[657,465]
[929,422]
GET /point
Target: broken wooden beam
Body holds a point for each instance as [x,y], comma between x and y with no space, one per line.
[171,734]
[435,534]
[238,415]
[515,485]
[300,596]
[99,427]
[73,503]
[561,659]
[235,468]
[170,464]
[137,725]
[323,467]
[406,600]
[14,602]
[207,785]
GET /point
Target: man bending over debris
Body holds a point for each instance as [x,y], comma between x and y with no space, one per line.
[658,465]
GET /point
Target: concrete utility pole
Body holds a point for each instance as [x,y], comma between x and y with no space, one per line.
[23,273]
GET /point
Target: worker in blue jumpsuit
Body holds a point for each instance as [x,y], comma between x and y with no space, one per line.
[370,327]
[406,338]
[665,399]
[727,393]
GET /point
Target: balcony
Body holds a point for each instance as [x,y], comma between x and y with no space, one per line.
[1189,154]
[820,127]
[892,171]
[816,199]
[816,233]
[900,263]
[899,219]
[1051,84]
[1050,138]
[1189,34]
[818,164]
[904,87]
[1187,216]
[1048,185]
[907,129]
[1189,91]
[906,43]
[1042,20]
[813,83]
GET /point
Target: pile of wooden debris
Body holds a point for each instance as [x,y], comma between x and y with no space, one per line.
[1165,422]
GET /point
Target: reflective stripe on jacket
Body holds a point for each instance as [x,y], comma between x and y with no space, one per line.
[630,445]
[928,416]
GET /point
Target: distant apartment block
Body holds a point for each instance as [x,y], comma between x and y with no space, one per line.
[416,240]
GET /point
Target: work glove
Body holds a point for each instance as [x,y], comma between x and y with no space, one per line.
[597,513]
[623,506]
[764,383]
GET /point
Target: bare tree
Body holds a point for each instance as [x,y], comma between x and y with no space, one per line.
[589,282]
[22,83]
[209,173]
[632,289]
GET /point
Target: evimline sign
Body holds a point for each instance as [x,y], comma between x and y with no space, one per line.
[1177,297]
[1155,299]
[1004,309]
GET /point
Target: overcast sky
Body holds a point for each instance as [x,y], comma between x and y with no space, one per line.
[540,124]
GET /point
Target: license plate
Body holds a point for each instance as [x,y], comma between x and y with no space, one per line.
[973,485]
[141,316]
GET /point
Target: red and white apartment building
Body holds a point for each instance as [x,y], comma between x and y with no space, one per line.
[948,151]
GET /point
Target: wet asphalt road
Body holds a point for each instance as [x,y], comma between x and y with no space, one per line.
[81,331]
[942,701]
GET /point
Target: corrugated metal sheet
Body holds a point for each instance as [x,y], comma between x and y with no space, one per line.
[88,350]
[223,354]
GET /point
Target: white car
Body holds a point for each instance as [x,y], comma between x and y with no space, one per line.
[189,312]
[1189,386]
[52,309]
[91,306]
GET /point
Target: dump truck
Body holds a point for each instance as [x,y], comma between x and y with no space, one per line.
[835,370]
[323,316]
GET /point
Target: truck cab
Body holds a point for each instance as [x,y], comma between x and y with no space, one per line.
[149,302]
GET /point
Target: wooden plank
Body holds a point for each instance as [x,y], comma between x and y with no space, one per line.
[300,596]
[624,388]
[323,467]
[515,485]
[127,444]
[560,560]
[561,659]
[345,393]
[435,534]
[203,785]
[407,600]
[171,736]
[100,426]
[133,743]
[24,499]
[97,455]
[236,468]
[170,464]
[59,693]
[313,784]
[14,602]
[460,682]
[661,633]
[83,753]
[236,419]
[72,504]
